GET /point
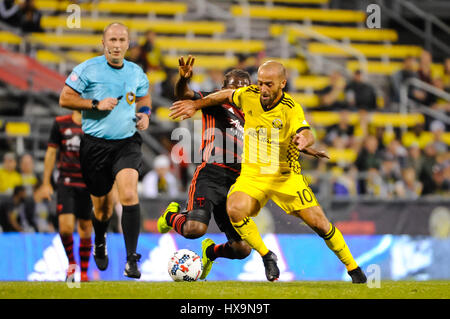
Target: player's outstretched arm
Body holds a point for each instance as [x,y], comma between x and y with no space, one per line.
[186,108]
[315,153]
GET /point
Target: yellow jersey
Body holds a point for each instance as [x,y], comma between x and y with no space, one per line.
[268,147]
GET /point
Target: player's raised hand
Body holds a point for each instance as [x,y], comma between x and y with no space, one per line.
[315,153]
[107,104]
[185,68]
[183,109]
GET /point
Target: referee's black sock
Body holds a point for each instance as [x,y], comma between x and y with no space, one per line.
[100,228]
[131,224]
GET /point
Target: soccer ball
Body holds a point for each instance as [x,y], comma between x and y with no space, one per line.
[185,265]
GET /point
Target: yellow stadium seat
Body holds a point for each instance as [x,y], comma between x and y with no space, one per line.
[294,1]
[314,82]
[67,40]
[45,56]
[446,138]
[117,7]
[306,100]
[342,155]
[322,118]
[209,45]
[157,7]
[369,50]
[80,56]
[203,61]
[409,138]
[17,128]
[299,14]
[10,38]
[294,64]
[140,25]
[338,33]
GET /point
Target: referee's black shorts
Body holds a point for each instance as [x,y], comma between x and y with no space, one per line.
[208,192]
[102,159]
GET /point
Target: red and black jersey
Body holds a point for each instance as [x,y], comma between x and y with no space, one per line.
[222,135]
[66,135]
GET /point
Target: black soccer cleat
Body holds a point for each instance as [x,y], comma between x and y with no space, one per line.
[131,268]
[270,264]
[101,255]
[358,276]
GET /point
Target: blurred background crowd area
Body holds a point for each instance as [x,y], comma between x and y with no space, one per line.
[377,96]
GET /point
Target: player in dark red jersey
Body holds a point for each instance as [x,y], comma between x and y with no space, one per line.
[73,199]
[222,142]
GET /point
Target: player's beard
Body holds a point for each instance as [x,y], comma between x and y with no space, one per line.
[268,102]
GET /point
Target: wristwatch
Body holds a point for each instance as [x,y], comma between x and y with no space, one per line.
[94,104]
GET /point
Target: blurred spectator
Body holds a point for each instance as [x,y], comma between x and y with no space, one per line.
[9,210]
[408,187]
[414,158]
[241,63]
[29,177]
[346,183]
[373,184]
[134,54]
[397,151]
[43,217]
[213,81]
[438,130]
[168,86]
[368,158]
[390,175]
[360,94]
[342,132]
[441,179]
[160,181]
[426,174]
[446,77]
[332,97]
[151,55]
[9,176]
[31,17]
[10,12]
[407,72]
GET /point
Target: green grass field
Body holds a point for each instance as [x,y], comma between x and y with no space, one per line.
[225,290]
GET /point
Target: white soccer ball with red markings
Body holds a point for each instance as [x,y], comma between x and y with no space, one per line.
[185,265]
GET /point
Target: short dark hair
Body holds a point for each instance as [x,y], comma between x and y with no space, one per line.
[238,73]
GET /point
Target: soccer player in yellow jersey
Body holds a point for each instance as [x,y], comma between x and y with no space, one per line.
[275,132]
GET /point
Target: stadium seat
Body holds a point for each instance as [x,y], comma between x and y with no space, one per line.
[293,1]
[46,57]
[314,82]
[67,41]
[17,128]
[306,100]
[203,61]
[329,118]
[117,7]
[298,14]
[342,155]
[389,68]
[202,45]
[140,25]
[9,38]
[337,33]
[369,50]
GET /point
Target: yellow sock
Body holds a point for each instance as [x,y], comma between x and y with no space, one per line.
[335,241]
[249,232]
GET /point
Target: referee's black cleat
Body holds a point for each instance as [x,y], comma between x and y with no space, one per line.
[270,264]
[131,268]
[101,255]
[358,276]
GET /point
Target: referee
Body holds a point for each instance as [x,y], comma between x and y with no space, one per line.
[112,94]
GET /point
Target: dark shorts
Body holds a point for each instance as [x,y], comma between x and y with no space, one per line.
[208,191]
[102,159]
[73,200]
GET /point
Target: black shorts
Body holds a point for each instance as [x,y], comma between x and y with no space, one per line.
[208,191]
[73,200]
[102,159]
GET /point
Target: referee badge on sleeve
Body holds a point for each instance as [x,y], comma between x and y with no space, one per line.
[131,97]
